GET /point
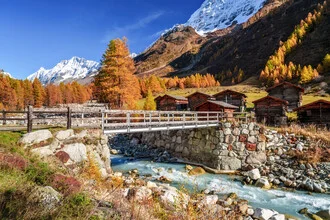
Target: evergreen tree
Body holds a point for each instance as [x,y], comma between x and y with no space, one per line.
[150,103]
[116,83]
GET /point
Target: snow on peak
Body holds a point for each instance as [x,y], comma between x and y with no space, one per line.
[76,68]
[219,14]
[6,74]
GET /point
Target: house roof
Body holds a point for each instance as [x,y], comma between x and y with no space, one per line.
[272,98]
[197,92]
[181,98]
[219,103]
[285,83]
[307,106]
[231,91]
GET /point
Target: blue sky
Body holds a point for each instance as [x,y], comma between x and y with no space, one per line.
[40,33]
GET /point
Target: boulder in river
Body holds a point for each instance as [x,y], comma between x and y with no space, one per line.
[197,171]
[324,214]
[254,174]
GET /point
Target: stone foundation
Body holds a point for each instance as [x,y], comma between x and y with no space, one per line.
[228,147]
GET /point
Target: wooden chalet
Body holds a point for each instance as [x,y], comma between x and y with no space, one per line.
[317,112]
[171,103]
[289,92]
[218,106]
[197,98]
[232,97]
[271,110]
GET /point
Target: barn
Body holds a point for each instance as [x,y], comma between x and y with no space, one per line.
[289,92]
[271,111]
[197,98]
[232,97]
[171,103]
[317,112]
[217,106]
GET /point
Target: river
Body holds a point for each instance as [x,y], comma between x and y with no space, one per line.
[282,201]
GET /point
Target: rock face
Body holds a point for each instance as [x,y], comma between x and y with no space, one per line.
[77,152]
[71,148]
[46,197]
[36,137]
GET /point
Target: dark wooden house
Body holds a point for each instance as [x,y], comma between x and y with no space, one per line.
[317,112]
[289,92]
[232,97]
[171,103]
[271,110]
[217,106]
[196,99]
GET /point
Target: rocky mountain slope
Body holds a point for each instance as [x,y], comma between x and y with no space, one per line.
[75,69]
[246,46]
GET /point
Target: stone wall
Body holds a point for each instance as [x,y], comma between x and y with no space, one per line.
[228,147]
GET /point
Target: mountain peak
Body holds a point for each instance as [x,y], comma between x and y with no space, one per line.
[219,14]
[76,68]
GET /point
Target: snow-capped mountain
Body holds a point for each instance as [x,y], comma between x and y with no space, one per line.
[6,73]
[218,14]
[75,69]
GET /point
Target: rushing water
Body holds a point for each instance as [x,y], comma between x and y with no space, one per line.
[279,200]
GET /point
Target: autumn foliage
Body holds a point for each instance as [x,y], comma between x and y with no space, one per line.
[276,70]
[159,85]
[116,83]
[17,94]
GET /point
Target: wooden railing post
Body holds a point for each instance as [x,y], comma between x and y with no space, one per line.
[4,117]
[69,122]
[102,123]
[128,121]
[184,119]
[29,118]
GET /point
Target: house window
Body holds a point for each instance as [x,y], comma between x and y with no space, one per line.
[309,113]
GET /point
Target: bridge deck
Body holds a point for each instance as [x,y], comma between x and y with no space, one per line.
[119,121]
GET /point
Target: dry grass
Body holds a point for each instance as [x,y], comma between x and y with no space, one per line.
[313,132]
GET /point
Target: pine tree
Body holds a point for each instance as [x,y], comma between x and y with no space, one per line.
[150,103]
[38,93]
[116,83]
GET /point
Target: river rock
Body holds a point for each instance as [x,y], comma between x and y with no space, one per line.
[45,196]
[254,174]
[230,163]
[196,171]
[36,137]
[62,135]
[151,184]
[208,200]
[263,183]
[263,214]
[139,193]
[172,199]
[277,217]
[113,151]
[76,151]
[256,158]
[324,214]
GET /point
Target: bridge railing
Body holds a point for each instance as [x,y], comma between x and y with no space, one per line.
[119,121]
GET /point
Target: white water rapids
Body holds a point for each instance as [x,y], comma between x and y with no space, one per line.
[282,201]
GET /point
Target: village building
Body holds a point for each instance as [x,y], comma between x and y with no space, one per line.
[317,112]
[217,106]
[232,97]
[271,111]
[171,103]
[289,92]
[197,98]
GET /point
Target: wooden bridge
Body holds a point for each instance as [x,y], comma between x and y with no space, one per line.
[118,121]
